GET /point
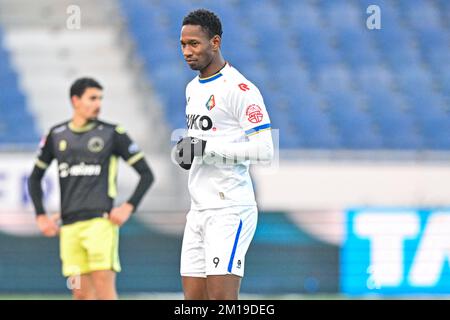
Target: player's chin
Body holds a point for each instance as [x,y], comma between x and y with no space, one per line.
[95,115]
[193,65]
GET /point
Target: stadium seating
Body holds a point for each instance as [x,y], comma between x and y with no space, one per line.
[328,81]
[17,125]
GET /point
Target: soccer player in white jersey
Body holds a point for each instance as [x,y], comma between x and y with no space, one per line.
[228,127]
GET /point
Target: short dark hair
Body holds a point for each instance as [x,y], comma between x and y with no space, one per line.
[80,85]
[208,20]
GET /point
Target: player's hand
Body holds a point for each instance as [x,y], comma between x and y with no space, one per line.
[48,225]
[188,148]
[120,215]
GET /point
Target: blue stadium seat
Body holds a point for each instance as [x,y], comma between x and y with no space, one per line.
[301,16]
[402,58]
[289,80]
[316,50]
[353,123]
[424,104]
[373,78]
[313,123]
[444,80]
[430,39]
[396,124]
[255,73]
[436,131]
[260,14]
[413,78]
[342,15]
[334,78]
[383,102]
[16,125]
[421,15]
[438,60]
[241,58]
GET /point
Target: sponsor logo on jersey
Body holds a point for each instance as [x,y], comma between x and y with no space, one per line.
[211,103]
[62,145]
[254,113]
[60,129]
[96,144]
[243,87]
[77,170]
[198,122]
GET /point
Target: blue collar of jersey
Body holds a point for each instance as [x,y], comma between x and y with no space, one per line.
[209,79]
[214,76]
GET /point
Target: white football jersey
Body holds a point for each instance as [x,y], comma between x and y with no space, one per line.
[223,108]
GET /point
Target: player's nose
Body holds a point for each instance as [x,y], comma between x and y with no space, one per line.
[187,53]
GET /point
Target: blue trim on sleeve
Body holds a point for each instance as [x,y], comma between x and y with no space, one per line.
[230,264]
[261,127]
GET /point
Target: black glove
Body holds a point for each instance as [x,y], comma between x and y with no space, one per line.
[188,148]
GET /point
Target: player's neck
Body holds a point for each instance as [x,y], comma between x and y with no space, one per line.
[79,122]
[214,67]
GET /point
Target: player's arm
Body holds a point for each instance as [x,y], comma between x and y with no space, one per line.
[145,182]
[46,224]
[259,147]
[129,151]
[247,106]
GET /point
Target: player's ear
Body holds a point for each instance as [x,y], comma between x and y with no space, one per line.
[75,100]
[216,42]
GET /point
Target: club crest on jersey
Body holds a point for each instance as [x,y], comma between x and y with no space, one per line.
[254,113]
[96,144]
[211,103]
[62,145]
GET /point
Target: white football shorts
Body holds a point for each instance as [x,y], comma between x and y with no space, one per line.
[215,241]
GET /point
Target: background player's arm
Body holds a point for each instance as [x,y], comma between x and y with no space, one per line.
[145,182]
[129,151]
[47,225]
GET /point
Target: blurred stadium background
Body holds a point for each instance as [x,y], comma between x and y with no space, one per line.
[357,204]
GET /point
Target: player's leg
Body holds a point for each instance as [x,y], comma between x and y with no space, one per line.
[75,262]
[223,287]
[192,264]
[228,234]
[101,241]
[82,287]
[194,288]
[104,282]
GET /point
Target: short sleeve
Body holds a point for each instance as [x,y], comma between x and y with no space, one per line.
[248,107]
[125,147]
[45,153]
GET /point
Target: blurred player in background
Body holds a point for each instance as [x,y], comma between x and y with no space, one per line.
[228,126]
[87,152]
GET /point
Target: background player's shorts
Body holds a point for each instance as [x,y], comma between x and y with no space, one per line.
[90,245]
[215,241]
